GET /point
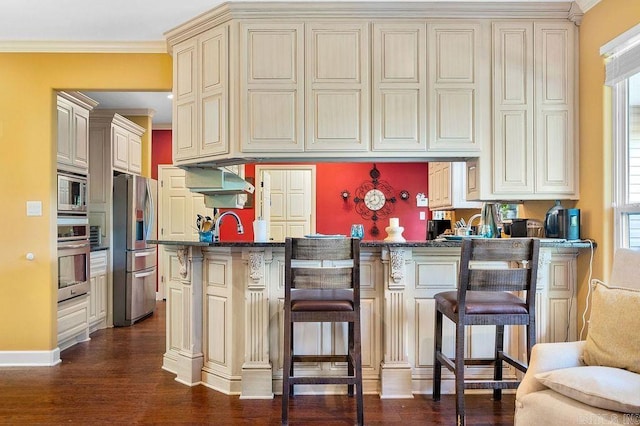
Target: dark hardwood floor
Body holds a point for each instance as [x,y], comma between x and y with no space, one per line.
[116,378]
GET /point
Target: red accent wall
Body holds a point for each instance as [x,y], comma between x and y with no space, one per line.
[333,214]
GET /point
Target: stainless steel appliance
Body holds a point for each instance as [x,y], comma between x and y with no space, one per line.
[72,194]
[437,227]
[134,260]
[73,257]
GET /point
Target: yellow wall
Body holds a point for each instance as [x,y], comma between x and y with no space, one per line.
[27,172]
[601,24]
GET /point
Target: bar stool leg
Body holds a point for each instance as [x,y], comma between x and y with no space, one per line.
[437,365]
[497,368]
[459,373]
[286,369]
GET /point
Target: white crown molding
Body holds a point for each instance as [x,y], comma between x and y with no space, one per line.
[587,4]
[84,46]
[161,126]
[130,112]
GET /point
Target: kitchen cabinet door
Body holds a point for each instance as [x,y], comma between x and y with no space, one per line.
[185,124]
[272,85]
[399,87]
[458,59]
[134,146]
[73,131]
[120,142]
[337,87]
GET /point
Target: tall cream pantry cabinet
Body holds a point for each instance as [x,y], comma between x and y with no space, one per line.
[73,131]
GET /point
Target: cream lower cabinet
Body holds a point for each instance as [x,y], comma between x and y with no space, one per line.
[73,321]
[225,307]
[98,290]
[534,153]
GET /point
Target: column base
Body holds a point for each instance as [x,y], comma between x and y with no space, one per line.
[188,370]
[395,381]
[257,382]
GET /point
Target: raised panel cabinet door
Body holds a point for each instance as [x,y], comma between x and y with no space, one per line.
[135,153]
[214,91]
[399,100]
[120,140]
[513,109]
[458,78]
[556,152]
[446,189]
[337,87]
[272,87]
[80,140]
[65,136]
[185,126]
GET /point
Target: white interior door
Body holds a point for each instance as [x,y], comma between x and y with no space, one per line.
[290,197]
[177,214]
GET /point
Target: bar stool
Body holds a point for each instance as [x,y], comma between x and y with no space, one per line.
[500,266]
[322,284]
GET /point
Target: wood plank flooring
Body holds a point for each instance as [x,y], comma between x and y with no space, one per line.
[116,378]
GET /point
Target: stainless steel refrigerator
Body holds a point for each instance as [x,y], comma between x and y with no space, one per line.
[134,260]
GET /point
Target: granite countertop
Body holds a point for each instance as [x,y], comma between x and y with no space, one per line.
[545,242]
[99,248]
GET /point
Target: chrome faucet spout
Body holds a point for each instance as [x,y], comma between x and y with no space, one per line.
[216,229]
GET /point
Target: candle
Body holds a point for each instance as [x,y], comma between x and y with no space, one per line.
[394,222]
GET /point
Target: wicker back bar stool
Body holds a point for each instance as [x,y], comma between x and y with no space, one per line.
[322,284]
[490,271]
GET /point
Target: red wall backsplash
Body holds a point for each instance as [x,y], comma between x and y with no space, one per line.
[334,215]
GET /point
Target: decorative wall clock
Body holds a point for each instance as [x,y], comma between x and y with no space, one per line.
[374,199]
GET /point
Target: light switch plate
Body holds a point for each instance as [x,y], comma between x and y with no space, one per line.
[34,208]
[423,215]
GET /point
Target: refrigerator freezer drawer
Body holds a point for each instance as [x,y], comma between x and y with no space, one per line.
[138,260]
[141,294]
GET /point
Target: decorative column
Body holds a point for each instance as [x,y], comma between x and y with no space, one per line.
[190,359]
[257,374]
[395,368]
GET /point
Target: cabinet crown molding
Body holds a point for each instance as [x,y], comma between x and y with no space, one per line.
[371,10]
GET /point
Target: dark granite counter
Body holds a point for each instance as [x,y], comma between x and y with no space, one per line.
[545,242]
[99,248]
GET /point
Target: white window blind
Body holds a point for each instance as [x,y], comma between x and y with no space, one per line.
[623,56]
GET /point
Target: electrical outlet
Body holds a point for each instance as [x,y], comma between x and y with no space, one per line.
[423,215]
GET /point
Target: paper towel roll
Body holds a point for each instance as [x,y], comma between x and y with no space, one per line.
[260,231]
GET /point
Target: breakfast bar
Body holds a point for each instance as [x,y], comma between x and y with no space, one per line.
[224,315]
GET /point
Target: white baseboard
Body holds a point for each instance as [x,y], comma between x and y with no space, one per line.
[30,358]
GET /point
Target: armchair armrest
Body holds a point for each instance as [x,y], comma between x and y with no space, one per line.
[547,357]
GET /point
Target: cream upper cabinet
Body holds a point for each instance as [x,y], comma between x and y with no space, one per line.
[272,87]
[201,96]
[73,131]
[337,87]
[458,60]
[399,89]
[534,153]
[447,183]
[126,142]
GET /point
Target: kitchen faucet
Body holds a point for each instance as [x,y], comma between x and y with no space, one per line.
[216,229]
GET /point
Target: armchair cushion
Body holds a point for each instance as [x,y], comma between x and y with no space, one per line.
[604,387]
[613,339]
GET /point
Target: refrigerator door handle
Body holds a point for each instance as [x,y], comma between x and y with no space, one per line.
[143,274]
[143,254]
[150,212]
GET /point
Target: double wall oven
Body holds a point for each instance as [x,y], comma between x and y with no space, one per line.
[73,237]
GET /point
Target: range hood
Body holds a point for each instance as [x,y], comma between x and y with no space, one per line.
[220,187]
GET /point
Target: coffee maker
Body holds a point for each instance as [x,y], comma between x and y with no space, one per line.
[437,227]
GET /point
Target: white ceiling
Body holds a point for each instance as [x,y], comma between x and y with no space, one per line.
[113,21]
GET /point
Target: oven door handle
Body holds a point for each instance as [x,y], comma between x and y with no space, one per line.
[73,246]
[144,254]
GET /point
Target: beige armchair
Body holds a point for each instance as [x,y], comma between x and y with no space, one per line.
[559,387]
